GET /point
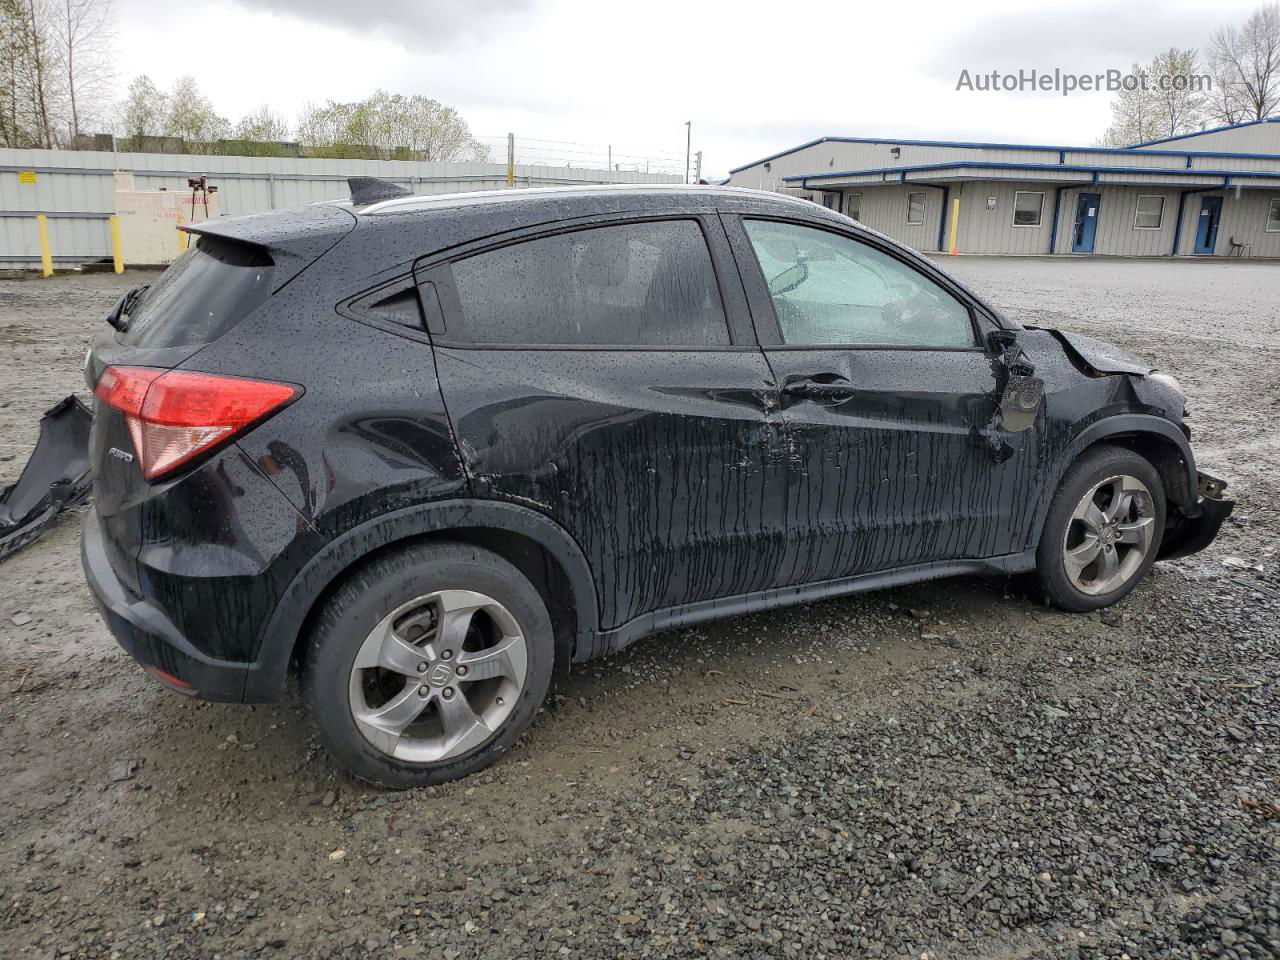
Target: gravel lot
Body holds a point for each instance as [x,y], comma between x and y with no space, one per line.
[942,772]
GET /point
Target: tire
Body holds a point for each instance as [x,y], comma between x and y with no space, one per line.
[430,628]
[1126,537]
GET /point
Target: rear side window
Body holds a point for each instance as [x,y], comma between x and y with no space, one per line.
[203,294]
[631,284]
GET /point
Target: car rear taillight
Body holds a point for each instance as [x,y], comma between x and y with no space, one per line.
[175,415]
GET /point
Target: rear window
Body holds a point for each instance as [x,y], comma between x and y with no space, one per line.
[633,284]
[203,294]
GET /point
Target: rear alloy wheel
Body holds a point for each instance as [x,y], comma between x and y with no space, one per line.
[438,676]
[427,664]
[1103,529]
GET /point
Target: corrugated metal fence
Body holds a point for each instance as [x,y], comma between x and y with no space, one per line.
[76,189]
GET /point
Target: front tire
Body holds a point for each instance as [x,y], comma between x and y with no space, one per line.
[427,664]
[1103,529]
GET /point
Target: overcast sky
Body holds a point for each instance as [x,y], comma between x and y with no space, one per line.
[753,78]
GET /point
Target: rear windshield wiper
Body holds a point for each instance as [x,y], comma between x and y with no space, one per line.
[125,307]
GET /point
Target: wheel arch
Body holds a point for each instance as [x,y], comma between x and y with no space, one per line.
[536,545]
[1158,440]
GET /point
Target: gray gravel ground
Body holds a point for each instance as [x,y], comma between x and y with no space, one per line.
[947,771]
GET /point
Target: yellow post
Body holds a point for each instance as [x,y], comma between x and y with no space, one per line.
[46,258]
[955,223]
[183,238]
[117,254]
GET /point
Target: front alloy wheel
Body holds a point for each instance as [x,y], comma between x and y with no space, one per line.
[1112,531]
[1103,529]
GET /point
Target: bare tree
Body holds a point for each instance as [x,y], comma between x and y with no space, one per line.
[84,31]
[1247,62]
[38,74]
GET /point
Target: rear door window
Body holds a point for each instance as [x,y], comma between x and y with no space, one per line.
[629,284]
[202,295]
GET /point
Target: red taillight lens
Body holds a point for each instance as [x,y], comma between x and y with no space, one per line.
[174,415]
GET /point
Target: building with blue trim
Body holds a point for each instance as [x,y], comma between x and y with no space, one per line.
[1212,193]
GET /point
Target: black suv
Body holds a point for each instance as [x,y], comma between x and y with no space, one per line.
[429,449]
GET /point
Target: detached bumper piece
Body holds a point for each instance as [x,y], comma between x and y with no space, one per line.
[56,477]
[1184,535]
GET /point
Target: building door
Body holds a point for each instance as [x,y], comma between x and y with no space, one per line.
[1087,206]
[1207,229]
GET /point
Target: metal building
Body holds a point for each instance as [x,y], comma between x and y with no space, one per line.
[1213,193]
[75,189]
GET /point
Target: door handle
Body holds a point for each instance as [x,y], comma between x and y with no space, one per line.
[826,388]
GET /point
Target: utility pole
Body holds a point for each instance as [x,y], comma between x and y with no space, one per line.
[511,159]
[611,156]
[688,142]
[697,167]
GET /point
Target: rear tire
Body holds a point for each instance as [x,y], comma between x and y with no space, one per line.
[427,664]
[1103,529]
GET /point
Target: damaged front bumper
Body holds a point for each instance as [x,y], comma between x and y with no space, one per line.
[1184,535]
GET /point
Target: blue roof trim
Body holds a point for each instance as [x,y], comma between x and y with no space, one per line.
[1200,133]
[1047,148]
[1073,168]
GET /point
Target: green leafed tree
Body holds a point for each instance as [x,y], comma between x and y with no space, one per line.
[145,111]
[389,127]
[191,116]
[263,125]
[1135,114]
[1168,99]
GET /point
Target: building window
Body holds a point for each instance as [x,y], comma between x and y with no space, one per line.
[915,208]
[1273,216]
[1027,208]
[853,206]
[1150,213]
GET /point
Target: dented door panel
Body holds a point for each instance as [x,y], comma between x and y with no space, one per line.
[894,475]
[662,464]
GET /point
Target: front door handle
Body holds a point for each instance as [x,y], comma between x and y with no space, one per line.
[828,389]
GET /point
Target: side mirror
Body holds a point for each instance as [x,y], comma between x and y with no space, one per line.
[1020,403]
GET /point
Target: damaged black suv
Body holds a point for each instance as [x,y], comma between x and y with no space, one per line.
[430,449]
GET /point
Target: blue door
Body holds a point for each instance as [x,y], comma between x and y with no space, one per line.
[1087,206]
[1207,228]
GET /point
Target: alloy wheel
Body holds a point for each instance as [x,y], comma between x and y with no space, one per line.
[1111,531]
[438,676]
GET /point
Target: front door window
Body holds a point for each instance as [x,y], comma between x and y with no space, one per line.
[829,289]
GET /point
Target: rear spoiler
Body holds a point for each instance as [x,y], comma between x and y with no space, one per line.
[294,239]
